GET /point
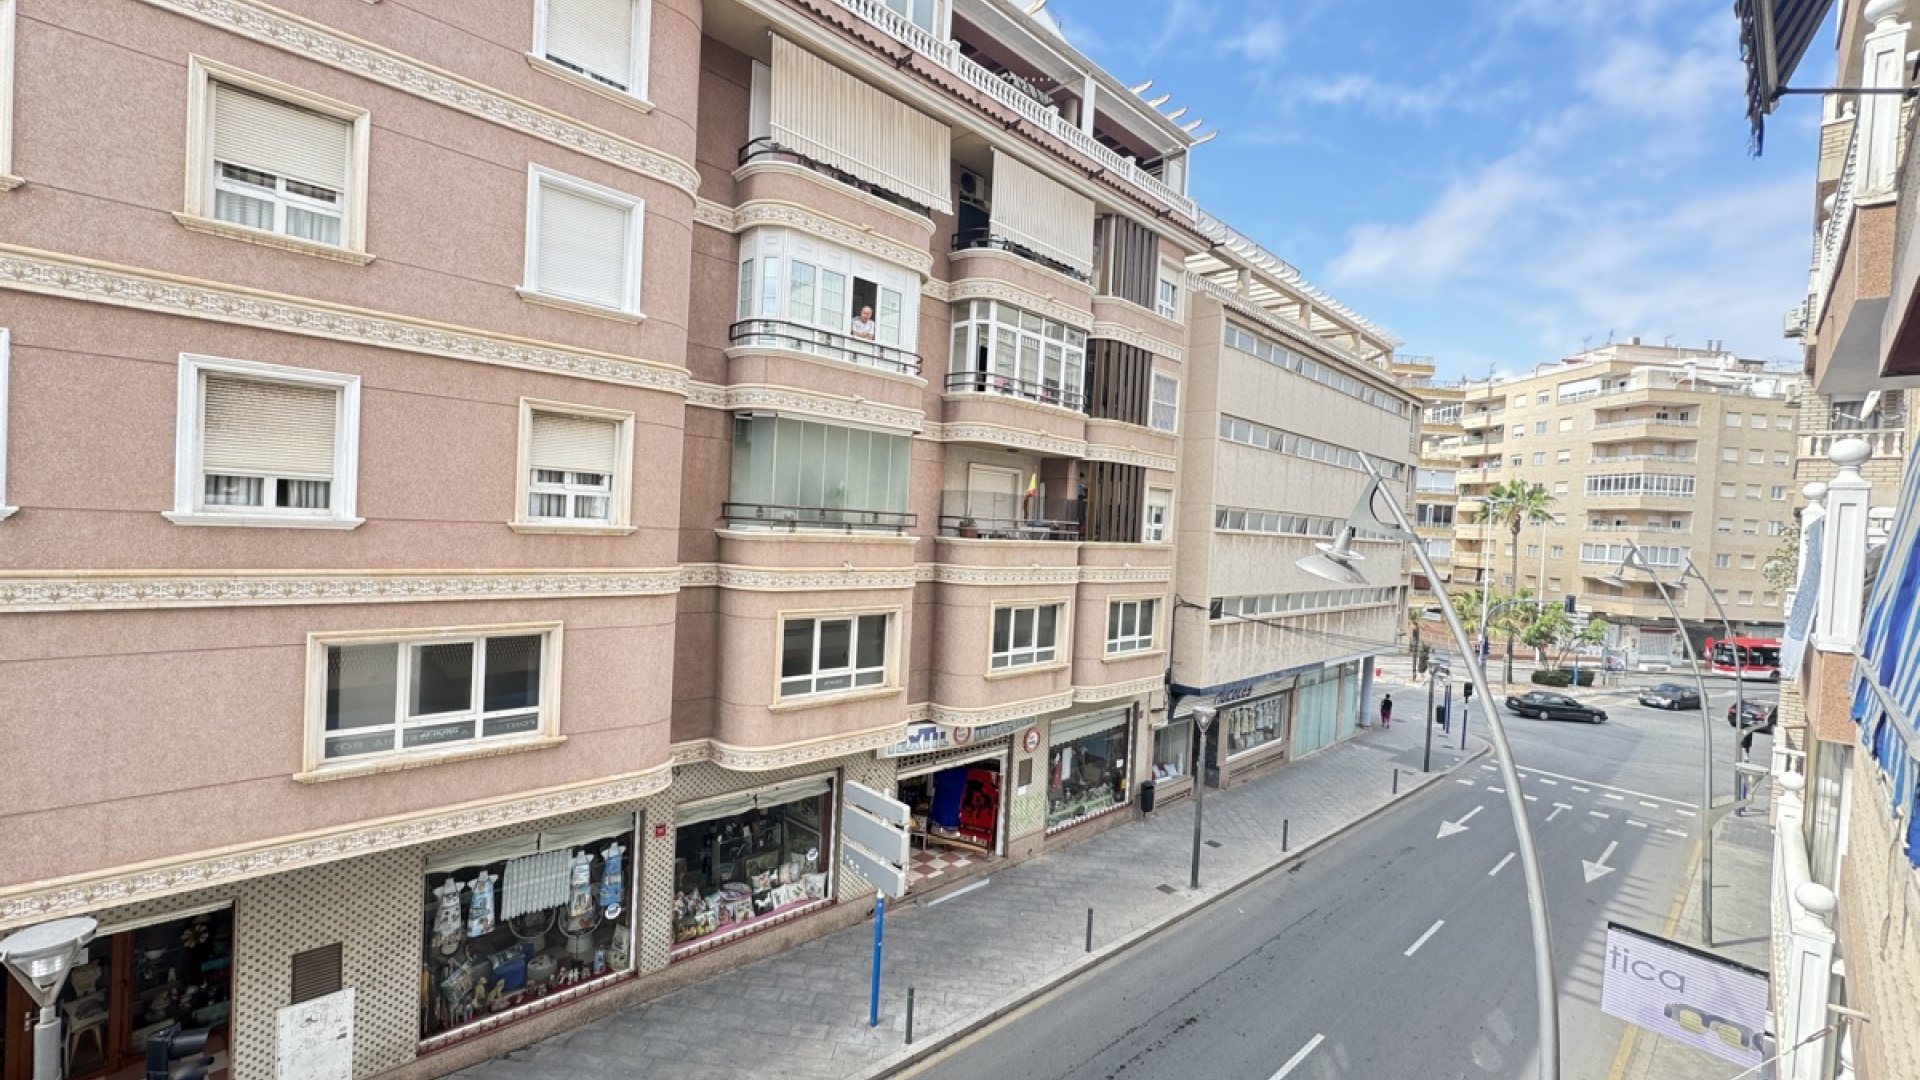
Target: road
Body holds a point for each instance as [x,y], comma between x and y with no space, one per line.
[1400,950]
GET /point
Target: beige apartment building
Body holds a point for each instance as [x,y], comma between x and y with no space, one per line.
[481,477]
[1688,453]
[1436,492]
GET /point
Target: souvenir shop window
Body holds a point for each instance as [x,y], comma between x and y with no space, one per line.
[1173,750]
[1256,723]
[1087,770]
[132,980]
[750,860]
[430,693]
[512,924]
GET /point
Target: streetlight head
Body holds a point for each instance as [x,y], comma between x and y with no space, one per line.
[1331,566]
[41,956]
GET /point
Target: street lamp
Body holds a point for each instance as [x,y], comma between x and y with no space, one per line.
[1739,661]
[1364,520]
[1710,814]
[1202,720]
[41,957]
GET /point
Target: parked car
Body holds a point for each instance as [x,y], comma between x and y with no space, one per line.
[1542,705]
[1670,696]
[1753,716]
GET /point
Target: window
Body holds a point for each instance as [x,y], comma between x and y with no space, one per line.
[1746,597]
[275,164]
[1751,527]
[1325,374]
[1724,525]
[1566,423]
[1756,457]
[1733,419]
[1025,636]
[1533,551]
[1753,491]
[1746,562]
[603,41]
[1000,349]
[1541,398]
[1776,528]
[1539,427]
[1780,458]
[1778,493]
[1166,403]
[575,466]
[1728,490]
[583,243]
[1783,423]
[1669,485]
[258,444]
[1723,562]
[1540,457]
[1167,301]
[1234,429]
[1517,459]
[6,510]
[1519,431]
[431,691]
[1770,598]
[796,284]
[1563,456]
[1559,487]
[1173,750]
[829,654]
[1557,551]
[1130,625]
[1554,584]
[1729,453]
[1159,527]
[920,13]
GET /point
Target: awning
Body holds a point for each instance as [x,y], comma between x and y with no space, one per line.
[1774,35]
[1887,673]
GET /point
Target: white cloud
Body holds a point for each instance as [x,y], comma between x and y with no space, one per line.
[1263,41]
[1448,239]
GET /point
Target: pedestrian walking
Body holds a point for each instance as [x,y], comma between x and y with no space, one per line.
[1386,711]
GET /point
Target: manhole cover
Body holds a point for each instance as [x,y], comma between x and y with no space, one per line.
[1213,843]
[1168,889]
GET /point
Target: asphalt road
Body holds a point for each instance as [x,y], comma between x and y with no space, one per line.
[1399,951]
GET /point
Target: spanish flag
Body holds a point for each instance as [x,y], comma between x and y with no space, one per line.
[1033,494]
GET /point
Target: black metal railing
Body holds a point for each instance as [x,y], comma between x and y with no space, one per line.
[817,518]
[984,238]
[987,382]
[1034,528]
[765,149]
[778,333]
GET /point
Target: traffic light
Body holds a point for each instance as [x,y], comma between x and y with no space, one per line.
[177,1054]
[1466,691]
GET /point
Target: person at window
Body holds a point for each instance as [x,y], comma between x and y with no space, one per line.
[863,327]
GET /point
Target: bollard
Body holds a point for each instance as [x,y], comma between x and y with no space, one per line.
[909,1016]
[1089,929]
[1396,780]
[1283,836]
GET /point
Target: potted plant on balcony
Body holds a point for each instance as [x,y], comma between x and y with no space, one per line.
[969,530]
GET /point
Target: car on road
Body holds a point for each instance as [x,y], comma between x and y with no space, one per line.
[1542,705]
[1670,696]
[1753,716]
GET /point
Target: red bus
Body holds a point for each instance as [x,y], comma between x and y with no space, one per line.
[1745,657]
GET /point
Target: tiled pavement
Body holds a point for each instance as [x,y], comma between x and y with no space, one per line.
[803,1013]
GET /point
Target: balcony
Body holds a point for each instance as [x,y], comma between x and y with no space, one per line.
[1853,279]
[816,519]
[974,516]
[1885,444]
[985,240]
[765,149]
[779,334]
[977,382]
[1650,530]
[1677,459]
[1478,419]
[1636,428]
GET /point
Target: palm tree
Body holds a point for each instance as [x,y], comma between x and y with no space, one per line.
[1517,504]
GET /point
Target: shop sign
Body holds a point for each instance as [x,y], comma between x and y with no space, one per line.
[927,738]
[1694,998]
[874,838]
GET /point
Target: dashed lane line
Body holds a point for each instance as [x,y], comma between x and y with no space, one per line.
[1576,783]
[1298,1057]
[1598,814]
[1501,865]
[1431,930]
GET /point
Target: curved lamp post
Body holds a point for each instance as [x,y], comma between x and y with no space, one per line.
[1336,562]
[1710,813]
[41,957]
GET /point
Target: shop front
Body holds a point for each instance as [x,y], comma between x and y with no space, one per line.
[1255,731]
[523,924]
[751,860]
[954,780]
[1089,767]
[1328,706]
[134,979]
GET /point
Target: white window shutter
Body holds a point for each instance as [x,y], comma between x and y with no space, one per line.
[279,429]
[285,140]
[573,443]
[582,252]
[596,35]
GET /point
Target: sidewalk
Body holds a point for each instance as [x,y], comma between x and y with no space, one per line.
[803,1014]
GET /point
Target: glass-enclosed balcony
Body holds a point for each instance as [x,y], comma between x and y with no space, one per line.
[1002,350]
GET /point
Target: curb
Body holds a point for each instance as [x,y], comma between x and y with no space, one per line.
[1047,984]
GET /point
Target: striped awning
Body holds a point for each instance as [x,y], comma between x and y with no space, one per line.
[1886,700]
[1774,36]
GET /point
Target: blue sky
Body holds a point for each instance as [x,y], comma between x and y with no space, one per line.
[1495,181]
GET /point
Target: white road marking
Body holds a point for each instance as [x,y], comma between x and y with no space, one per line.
[1497,790]
[1464,780]
[1531,798]
[1611,795]
[1580,789]
[1298,1057]
[1501,865]
[981,884]
[1557,807]
[1448,828]
[1576,782]
[1544,780]
[1648,805]
[1598,868]
[1487,768]
[1684,813]
[1598,814]
[1431,930]
[1673,832]
[1636,823]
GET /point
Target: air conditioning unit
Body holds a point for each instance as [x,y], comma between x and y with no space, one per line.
[974,191]
[1795,323]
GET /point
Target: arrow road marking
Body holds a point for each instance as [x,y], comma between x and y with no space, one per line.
[1298,1057]
[1431,930]
[1557,807]
[1501,865]
[1597,870]
[1448,828]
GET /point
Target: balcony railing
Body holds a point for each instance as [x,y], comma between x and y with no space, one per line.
[816,518]
[1678,459]
[779,334]
[972,239]
[1884,444]
[1050,519]
[947,54]
[765,149]
[986,382]
[1654,530]
[1651,421]
[1826,256]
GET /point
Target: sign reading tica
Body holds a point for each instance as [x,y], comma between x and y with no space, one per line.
[1692,997]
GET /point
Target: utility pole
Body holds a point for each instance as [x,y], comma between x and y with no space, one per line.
[1202,720]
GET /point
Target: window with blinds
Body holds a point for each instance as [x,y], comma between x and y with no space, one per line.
[604,40]
[571,462]
[818,110]
[279,167]
[267,445]
[585,243]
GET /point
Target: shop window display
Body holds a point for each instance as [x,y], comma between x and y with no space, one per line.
[512,923]
[747,860]
[957,807]
[1173,750]
[1086,769]
[1256,724]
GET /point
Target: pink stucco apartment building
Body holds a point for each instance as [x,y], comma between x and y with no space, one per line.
[478,477]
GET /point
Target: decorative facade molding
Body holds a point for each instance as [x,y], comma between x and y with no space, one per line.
[937,290]
[793,579]
[1127,335]
[1085,695]
[706,396]
[337,50]
[713,215]
[1000,435]
[692,753]
[759,759]
[997,714]
[1120,575]
[149,881]
[1005,292]
[920,712]
[1127,455]
[760,212]
[949,574]
[114,590]
[831,407]
[71,278]
[925,572]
